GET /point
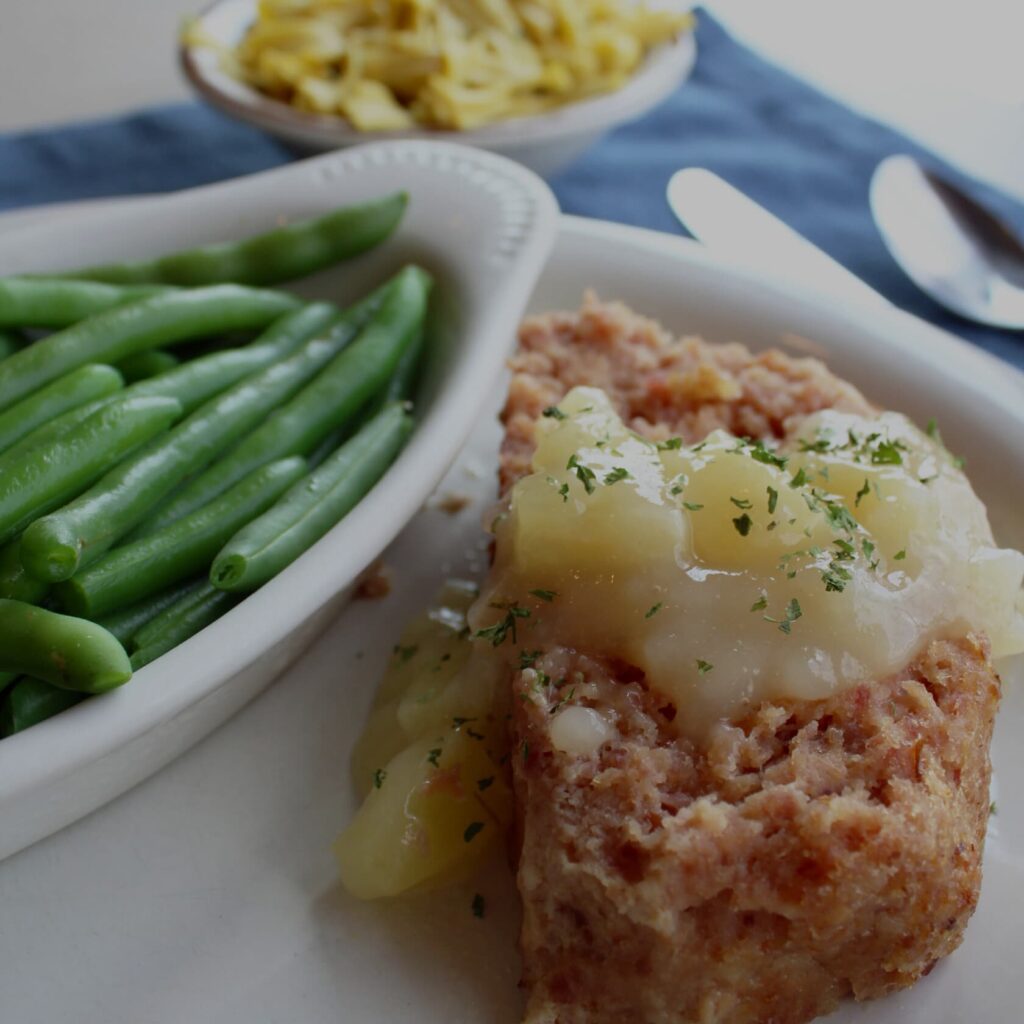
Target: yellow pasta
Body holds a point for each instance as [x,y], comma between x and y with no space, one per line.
[454,64]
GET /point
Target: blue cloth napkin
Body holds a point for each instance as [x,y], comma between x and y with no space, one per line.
[803,156]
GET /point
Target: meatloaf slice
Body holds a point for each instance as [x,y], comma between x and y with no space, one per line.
[810,851]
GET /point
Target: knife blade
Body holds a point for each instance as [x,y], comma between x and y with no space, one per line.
[726,220]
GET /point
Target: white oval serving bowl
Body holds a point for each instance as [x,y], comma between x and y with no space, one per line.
[545,143]
[483,226]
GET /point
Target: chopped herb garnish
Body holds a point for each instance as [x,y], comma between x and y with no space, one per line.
[742,503]
[434,755]
[792,613]
[458,722]
[653,610]
[527,658]
[545,595]
[564,492]
[585,475]
[887,453]
[692,506]
[478,905]
[564,700]
[773,500]
[992,808]
[743,524]
[379,776]
[617,474]
[671,445]
[759,453]
[900,555]
[473,829]
[554,413]
[862,493]
[405,653]
[799,479]
[504,627]
[485,783]
[474,735]
[704,667]
[761,602]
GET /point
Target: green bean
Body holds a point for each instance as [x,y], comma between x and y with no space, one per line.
[271,542]
[126,622]
[283,254]
[200,379]
[112,335]
[56,546]
[173,626]
[327,403]
[402,386]
[72,391]
[11,342]
[68,652]
[53,302]
[43,479]
[31,701]
[143,365]
[185,548]
[15,583]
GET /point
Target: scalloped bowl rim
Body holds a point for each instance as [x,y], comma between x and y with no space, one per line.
[91,734]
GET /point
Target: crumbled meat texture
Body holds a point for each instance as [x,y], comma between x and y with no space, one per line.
[812,851]
[662,387]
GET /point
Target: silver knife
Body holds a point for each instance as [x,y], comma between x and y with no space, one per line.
[726,220]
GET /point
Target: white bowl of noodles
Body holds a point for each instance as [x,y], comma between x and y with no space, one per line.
[545,141]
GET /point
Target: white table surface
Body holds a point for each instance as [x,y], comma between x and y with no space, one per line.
[157,921]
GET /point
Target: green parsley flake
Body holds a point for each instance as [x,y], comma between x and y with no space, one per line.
[585,475]
[473,829]
[405,653]
[554,413]
[527,658]
[773,500]
[433,756]
[760,453]
[617,474]
[900,555]
[564,492]
[692,506]
[761,602]
[704,667]
[379,776]
[653,610]
[743,524]
[503,627]
[545,595]
[671,445]
[799,479]
[887,453]
[742,503]
[862,493]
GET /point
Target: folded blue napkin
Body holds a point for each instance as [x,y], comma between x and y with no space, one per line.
[803,156]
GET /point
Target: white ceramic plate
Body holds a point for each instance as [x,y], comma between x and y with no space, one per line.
[483,225]
[545,143]
[208,893]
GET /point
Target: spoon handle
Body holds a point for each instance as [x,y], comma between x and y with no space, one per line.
[725,219]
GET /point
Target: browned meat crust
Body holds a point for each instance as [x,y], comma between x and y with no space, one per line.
[811,851]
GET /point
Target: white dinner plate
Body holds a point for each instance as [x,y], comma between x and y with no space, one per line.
[208,894]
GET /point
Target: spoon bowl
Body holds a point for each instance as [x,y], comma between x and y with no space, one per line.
[950,246]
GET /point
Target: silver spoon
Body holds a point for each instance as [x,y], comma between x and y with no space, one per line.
[949,246]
